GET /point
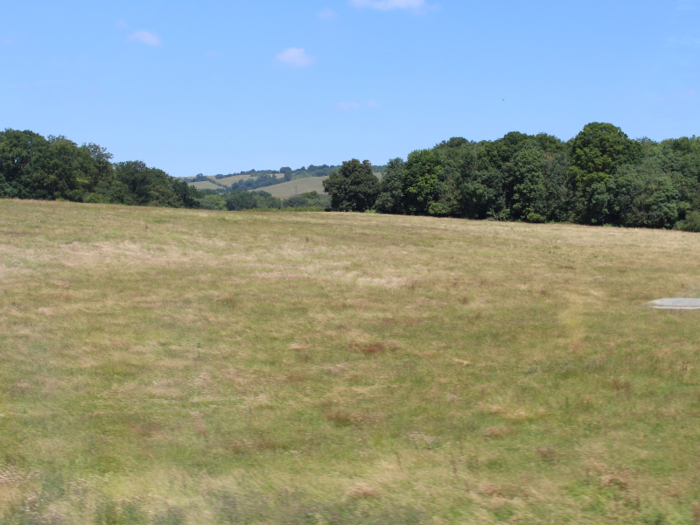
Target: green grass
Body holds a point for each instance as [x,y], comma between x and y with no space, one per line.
[205,185]
[228,181]
[295,187]
[181,366]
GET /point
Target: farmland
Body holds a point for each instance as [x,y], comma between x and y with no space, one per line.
[181,366]
[205,185]
[295,187]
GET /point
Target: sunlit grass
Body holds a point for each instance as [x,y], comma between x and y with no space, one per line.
[179,366]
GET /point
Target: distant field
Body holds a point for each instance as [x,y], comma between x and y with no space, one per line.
[205,185]
[164,366]
[295,187]
[229,181]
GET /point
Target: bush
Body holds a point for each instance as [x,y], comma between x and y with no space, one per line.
[691,223]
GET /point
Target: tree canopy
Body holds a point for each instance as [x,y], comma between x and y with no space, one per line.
[34,167]
[601,176]
[354,187]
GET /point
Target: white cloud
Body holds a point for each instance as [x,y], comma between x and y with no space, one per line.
[388,5]
[295,57]
[144,37]
[326,14]
[121,24]
[354,106]
[8,42]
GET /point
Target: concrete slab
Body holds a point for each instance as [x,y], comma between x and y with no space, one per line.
[677,303]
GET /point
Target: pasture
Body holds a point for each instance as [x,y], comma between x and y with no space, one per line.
[205,185]
[288,189]
[180,366]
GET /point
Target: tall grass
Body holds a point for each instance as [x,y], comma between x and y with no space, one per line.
[179,366]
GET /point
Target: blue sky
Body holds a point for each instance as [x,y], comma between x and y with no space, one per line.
[225,86]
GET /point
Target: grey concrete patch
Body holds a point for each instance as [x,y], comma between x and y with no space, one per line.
[676,304]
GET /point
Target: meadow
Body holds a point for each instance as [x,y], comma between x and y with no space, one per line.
[205,185]
[294,187]
[173,366]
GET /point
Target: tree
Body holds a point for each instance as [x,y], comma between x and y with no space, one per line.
[354,187]
[390,199]
[482,196]
[596,154]
[529,198]
[644,196]
[598,151]
[240,200]
[32,167]
[18,149]
[420,182]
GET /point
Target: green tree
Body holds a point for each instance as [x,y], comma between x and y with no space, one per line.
[420,182]
[18,149]
[482,195]
[691,224]
[390,199]
[212,202]
[354,187]
[529,198]
[596,154]
[598,151]
[240,200]
[644,196]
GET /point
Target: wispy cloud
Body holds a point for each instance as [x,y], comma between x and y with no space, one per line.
[8,42]
[327,14]
[354,106]
[295,57]
[144,37]
[121,24]
[389,5]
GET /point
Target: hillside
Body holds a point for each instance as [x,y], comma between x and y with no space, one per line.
[296,187]
[182,366]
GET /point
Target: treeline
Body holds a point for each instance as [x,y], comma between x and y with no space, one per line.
[262,200]
[34,167]
[599,177]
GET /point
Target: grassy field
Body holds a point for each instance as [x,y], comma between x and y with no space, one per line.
[205,185]
[226,182]
[295,187]
[177,366]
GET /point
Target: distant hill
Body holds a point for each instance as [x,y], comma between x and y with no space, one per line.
[296,187]
[258,179]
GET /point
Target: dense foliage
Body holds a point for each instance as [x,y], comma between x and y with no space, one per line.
[262,200]
[34,167]
[354,187]
[601,176]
